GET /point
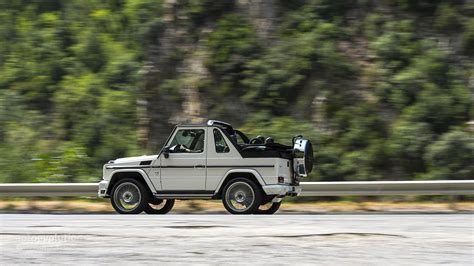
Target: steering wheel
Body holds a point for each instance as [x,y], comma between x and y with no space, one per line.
[181,148]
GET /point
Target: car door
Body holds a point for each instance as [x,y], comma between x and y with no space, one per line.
[184,170]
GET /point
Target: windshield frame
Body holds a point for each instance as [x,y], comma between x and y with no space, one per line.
[242,136]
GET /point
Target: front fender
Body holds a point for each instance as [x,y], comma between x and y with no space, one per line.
[250,171]
[139,171]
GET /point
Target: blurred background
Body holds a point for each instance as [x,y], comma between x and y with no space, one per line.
[384,89]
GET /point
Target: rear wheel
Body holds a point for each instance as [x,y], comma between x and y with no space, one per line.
[129,196]
[159,206]
[269,208]
[241,196]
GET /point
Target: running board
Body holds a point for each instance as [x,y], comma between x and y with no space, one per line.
[183,196]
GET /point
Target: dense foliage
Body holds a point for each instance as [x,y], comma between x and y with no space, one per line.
[383,88]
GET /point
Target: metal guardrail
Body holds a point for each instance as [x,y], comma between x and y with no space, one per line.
[362,188]
[380,188]
[48,189]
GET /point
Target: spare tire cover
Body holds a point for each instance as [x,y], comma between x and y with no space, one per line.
[308,157]
[302,157]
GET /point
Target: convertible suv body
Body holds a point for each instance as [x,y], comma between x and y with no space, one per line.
[211,161]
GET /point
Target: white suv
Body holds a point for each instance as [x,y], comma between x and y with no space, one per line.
[211,161]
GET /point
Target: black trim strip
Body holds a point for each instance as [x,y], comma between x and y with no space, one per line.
[175,166]
[237,166]
[217,166]
[191,166]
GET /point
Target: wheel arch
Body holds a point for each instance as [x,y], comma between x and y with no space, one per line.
[137,174]
[236,173]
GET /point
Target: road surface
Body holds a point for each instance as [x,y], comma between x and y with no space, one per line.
[370,239]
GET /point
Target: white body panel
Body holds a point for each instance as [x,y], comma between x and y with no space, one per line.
[183,171]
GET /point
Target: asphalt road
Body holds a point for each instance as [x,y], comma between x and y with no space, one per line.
[370,239]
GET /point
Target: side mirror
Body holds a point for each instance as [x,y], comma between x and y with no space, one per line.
[166,152]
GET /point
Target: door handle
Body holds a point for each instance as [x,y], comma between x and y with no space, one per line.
[199,166]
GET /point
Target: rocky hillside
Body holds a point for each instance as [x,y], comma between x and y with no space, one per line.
[383,88]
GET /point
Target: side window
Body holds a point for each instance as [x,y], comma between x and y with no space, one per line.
[188,141]
[221,145]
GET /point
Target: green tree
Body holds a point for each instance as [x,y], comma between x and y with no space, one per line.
[231,45]
[467,38]
[407,145]
[451,157]
[447,19]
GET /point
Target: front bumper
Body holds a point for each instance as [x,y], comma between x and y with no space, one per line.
[103,186]
[282,190]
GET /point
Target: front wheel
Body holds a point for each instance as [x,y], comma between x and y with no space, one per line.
[269,208]
[129,196]
[159,206]
[241,196]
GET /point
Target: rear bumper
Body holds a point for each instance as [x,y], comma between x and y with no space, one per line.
[103,186]
[282,190]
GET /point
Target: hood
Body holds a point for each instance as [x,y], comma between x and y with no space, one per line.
[135,160]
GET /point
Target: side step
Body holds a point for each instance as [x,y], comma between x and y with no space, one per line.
[183,196]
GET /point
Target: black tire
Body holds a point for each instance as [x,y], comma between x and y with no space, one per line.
[273,208]
[134,191]
[241,191]
[157,206]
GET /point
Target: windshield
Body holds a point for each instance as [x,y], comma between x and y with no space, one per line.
[188,140]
